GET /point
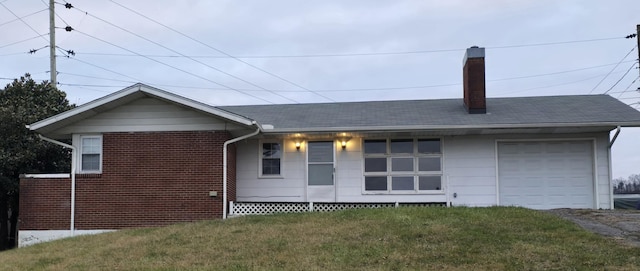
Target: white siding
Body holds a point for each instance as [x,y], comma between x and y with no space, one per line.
[469,166]
[147,115]
[602,171]
[289,188]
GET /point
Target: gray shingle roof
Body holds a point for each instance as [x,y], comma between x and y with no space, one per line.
[545,111]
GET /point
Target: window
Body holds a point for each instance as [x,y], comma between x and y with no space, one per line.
[403,166]
[90,153]
[271,159]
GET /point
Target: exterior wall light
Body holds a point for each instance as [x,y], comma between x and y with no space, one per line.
[344,144]
[298,145]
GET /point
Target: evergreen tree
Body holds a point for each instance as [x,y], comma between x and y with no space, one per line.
[23,102]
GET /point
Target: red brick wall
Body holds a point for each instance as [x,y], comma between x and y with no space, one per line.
[148,179]
[45,204]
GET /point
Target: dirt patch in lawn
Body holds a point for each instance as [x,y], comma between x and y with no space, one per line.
[622,225]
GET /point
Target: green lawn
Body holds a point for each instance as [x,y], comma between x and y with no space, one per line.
[373,239]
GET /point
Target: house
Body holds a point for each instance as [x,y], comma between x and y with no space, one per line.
[146,157]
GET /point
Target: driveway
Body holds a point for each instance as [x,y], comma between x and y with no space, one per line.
[622,225]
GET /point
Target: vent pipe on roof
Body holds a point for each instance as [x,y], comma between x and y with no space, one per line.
[473,81]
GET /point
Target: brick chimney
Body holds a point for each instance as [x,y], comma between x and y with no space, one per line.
[473,81]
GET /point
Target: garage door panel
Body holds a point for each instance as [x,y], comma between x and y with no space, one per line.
[546,175]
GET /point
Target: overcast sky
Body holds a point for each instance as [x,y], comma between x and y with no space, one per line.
[324,51]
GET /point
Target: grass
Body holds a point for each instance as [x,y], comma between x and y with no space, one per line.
[496,238]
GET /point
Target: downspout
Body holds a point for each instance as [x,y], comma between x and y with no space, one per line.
[613,140]
[224,165]
[73,178]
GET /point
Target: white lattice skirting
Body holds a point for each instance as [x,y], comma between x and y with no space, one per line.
[263,208]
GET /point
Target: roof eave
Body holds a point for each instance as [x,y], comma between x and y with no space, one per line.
[451,127]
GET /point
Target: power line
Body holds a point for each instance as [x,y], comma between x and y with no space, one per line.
[605,77]
[629,98]
[173,67]
[47,5]
[197,61]
[559,72]
[554,85]
[224,53]
[362,54]
[365,89]
[628,87]
[25,16]
[23,21]
[623,76]
[32,38]
[551,43]
[105,69]
[96,77]
[13,54]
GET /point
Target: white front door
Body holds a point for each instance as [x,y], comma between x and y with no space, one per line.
[320,172]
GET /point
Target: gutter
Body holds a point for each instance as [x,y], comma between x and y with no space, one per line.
[450,127]
[613,140]
[224,164]
[73,179]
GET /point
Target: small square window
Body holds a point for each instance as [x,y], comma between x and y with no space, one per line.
[375,164]
[375,183]
[429,146]
[430,183]
[429,164]
[402,146]
[401,164]
[402,183]
[375,146]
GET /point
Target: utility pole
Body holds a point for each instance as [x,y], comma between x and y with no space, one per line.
[638,40]
[52,42]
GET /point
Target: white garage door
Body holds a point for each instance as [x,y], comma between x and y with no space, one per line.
[546,175]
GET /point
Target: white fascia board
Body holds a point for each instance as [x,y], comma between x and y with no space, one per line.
[451,127]
[146,89]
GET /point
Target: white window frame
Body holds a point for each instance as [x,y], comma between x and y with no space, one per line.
[81,152]
[416,173]
[260,159]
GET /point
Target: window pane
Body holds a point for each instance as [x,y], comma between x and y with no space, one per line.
[401,164]
[375,146]
[402,146]
[320,151]
[91,162]
[270,166]
[375,183]
[429,164]
[271,150]
[375,165]
[402,183]
[91,145]
[320,174]
[429,146]
[430,183]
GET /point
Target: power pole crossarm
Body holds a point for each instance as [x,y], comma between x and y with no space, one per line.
[52,42]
